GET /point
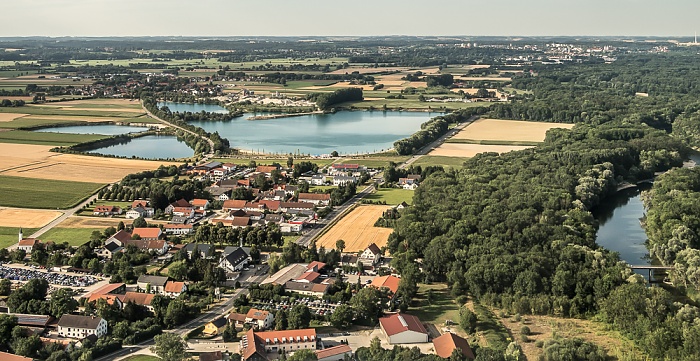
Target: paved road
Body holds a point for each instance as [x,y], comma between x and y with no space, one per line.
[425,150]
[212,313]
[310,234]
[211,143]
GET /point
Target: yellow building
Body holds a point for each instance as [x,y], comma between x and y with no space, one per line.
[215,327]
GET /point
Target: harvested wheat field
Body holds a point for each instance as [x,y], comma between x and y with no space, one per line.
[357,230]
[368,70]
[8,117]
[27,218]
[36,161]
[462,150]
[508,130]
[126,110]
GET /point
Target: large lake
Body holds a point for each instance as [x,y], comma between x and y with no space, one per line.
[104,129]
[194,108]
[345,132]
[149,147]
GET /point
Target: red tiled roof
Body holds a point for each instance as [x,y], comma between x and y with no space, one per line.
[122,236]
[240,221]
[181,203]
[257,314]
[103,209]
[29,242]
[309,276]
[234,203]
[139,203]
[316,264]
[147,232]
[174,287]
[289,335]
[141,299]
[333,351]
[178,226]
[183,209]
[401,322]
[315,196]
[271,205]
[390,282]
[199,202]
[4,356]
[265,169]
[233,316]
[108,288]
[109,298]
[445,344]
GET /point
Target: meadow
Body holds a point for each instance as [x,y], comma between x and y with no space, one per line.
[391,196]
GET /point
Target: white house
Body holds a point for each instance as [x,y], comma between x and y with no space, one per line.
[340,180]
[137,212]
[174,289]
[234,259]
[178,229]
[402,328]
[157,283]
[79,327]
[318,180]
[260,319]
[370,256]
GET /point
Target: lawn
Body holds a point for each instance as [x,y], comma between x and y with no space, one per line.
[74,236]
[43,193]
[141,358]
[441,309]
[32,123]
[54,139]
[321,188]
[9,235]
[447,162]
[391,196]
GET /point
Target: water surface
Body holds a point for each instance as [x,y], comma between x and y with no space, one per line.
[149,147]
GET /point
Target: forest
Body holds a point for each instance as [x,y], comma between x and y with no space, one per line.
[515,230]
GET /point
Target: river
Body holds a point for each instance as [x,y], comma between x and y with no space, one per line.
[346,132]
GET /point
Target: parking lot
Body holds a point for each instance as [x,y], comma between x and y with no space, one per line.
[24,274]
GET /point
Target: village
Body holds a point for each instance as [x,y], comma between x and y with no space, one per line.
[269,290]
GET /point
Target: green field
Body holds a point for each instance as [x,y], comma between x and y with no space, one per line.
[38,110]
[54,139]
[391,196]
[446,162]
[32,123]
[442,308]
[491,328]
[375,162]
[42,193]
[74,236]
[9,235]
[321,188]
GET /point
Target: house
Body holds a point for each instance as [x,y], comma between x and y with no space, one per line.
[215,327]
[289,228]
[174,289]
[157,247]
[139,203]
[335,353]
[317,199]
[402,205]
[137,212]
[120,238]
[410,179]
[200,204]
[273,218]
[260,319]
[147,234]
[79,327]
[402,328]
[240,222]
[233,205]
[341,180]
[152,284]
[291,207]
[106,211]
[318,180]
[181,203]
[109,250]
[344,168]
[178,229]
[237,319]
[110,288]
[138,298]
[410,187]
[271,205]
[4,356]
[307,288]
[448,342]
[228,166]
[389,282]
[221,194]
[27,244]
[205,250]
[33,321]
[370,256]
[256,345]
[187,212]
[179,220]
[211,356]
[266,169]
[108,298]
[308,277]
[234,259]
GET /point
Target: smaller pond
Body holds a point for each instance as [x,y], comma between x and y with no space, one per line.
[149,147]
[194,107]
[103,129]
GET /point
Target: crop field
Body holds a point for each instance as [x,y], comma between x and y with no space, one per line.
[9,235]
[7,117]
[40,138]
[26,218]
[36,161]
[375,161]
[40,193]
[469,150]
[357,230]
[508,130]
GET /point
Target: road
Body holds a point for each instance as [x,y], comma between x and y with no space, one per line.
[426,149]
[211,143]
[212,313]
[310,234]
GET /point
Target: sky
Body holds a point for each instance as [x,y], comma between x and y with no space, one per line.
[349,18]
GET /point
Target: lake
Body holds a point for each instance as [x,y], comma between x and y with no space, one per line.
[194,108]
[346,132]
[149,147]
[104,129]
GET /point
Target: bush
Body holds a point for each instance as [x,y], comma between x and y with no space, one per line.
[461,300]
[524,338]
[525,330]
[517,317]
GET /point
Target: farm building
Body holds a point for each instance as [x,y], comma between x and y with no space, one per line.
[75,326]
[402,328]
[335,353]
[448,342]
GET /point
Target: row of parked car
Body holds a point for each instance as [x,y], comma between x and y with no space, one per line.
[61,279]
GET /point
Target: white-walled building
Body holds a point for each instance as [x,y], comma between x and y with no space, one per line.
[79,327]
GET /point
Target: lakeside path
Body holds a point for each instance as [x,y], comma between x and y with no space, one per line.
[428,148]
[211,143]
